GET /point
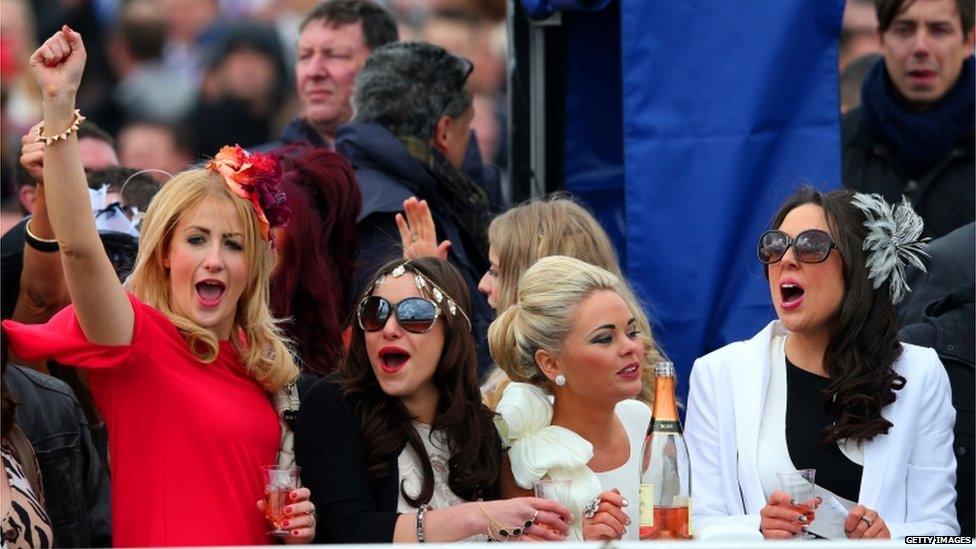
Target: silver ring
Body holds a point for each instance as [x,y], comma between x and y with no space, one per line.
[591,508]
[868,520]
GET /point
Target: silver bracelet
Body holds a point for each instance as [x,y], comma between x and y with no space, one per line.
[420,523]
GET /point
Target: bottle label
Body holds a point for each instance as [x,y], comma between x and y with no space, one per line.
[666,426]
[685,501]
[645,505]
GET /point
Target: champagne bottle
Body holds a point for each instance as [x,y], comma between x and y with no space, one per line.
[665,489]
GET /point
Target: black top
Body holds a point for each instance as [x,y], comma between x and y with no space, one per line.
[805,419]
[352,505]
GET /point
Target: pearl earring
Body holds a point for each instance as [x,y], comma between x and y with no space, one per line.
[560,380]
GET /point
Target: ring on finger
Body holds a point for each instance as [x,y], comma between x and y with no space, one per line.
[414,237]
[867,520]
[591,508]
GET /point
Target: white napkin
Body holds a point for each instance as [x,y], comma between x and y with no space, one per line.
[828,521]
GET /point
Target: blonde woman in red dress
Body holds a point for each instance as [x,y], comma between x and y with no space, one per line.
[184,361]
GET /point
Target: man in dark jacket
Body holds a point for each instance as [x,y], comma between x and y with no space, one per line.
[951,263]
[409,137]
[947,327]
[336,38]
[913,133]
[76,486]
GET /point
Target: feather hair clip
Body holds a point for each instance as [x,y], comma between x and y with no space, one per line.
[892,243]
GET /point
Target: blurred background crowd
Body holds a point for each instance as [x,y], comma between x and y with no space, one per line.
[174,80]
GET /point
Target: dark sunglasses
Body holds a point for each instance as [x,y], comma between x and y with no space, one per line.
[414,314]
[810,246]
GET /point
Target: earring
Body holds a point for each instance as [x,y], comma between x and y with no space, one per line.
[560,380]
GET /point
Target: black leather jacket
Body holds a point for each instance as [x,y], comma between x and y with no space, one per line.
[76,484]
[948,327]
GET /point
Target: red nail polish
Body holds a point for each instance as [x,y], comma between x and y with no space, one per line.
[288,510]
[293,495]
[284,524]
[294,532]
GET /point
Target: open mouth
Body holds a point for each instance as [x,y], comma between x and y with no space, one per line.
[631,370]
[921,74]
[393,358]
[790,293]
[209,292]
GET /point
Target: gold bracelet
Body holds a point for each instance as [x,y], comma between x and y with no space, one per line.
[75,124]
[39,244]
[503,532]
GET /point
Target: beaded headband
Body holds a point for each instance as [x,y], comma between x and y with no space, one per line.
[424,285]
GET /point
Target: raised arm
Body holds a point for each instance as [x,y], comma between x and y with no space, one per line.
[101,306]
[42,288]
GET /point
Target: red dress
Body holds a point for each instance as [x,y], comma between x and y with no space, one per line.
[187,440]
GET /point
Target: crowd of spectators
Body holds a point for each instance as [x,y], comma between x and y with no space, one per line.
[174,80]
[405,281]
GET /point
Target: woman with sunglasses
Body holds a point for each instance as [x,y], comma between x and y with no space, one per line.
[396,446]
[827,386]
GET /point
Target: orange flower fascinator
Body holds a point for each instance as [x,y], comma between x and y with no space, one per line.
[255,177]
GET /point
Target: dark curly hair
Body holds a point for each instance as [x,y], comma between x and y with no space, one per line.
[316,258]
[863,344]
[385,423]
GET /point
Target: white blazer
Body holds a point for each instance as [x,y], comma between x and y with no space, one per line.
[909,474]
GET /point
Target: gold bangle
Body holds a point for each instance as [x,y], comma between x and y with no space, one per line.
[504,534]
[39,244]
[75,124]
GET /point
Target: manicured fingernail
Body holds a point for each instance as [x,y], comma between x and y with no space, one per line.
[628,520]
[288,510]
[293,495]
[284,524]
[805,529]
[625,530]
[792,502]
[802,518]
[295,532]
[626,503]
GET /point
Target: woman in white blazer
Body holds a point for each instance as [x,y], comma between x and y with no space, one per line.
[828,385]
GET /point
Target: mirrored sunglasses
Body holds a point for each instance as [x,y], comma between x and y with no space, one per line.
[414,314]
[810,246]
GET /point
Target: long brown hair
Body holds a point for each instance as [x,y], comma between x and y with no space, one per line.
[863,344]
[385,423]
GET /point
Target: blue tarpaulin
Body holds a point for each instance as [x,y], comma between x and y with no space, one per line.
[725,108]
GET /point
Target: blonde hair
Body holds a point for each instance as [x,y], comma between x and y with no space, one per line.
[549,294]
[558,226]
[263,349]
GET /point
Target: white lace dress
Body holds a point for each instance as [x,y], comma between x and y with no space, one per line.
[411,473]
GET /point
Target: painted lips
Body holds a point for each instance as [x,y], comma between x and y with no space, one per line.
[392,359]
[209,292]
[791,294]
[631,371]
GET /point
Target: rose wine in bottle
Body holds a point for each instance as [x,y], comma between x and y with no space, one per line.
[665,488]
